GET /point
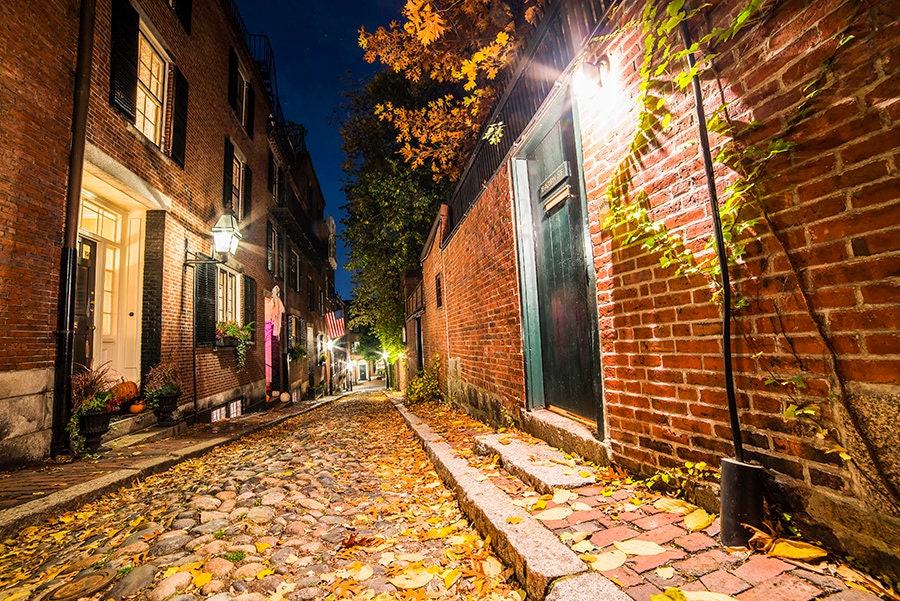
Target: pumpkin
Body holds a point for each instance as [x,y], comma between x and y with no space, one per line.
[137,407]
[125,390]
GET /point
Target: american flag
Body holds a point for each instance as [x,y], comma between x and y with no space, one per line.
[335,323]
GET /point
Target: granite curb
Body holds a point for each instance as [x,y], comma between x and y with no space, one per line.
[12,520]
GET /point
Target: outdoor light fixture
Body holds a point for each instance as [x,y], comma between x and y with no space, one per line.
[330,345]
[226,234]
[590,77]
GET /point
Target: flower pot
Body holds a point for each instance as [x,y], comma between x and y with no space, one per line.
[226,341]
[166,405]
[92,425]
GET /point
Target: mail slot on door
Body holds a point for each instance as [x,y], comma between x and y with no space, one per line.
[554,191]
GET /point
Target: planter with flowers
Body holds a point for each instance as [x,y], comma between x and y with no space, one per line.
[231,333]
[93,403]
[162,389]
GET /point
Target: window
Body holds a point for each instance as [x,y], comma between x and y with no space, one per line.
[294,272]
[183,11]
[150,89]
[221,294]
[142,80]
[240,93]
[237,185]
[274,252]
[438,292]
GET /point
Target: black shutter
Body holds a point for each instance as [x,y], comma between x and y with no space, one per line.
[270,175]
[179,117]
[183,12]
[251,98]
[206,276]
[248,188]
[270,244]
[228,166]
[232,78]
[250,304]
[124,58]
[292,272]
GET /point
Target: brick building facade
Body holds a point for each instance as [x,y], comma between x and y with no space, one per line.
[503,269]
[183,127]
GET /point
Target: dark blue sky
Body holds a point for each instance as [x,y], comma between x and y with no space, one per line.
[316,58]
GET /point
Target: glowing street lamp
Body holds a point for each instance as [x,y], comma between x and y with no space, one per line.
[226,234]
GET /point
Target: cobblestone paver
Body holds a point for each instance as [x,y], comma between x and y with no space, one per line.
[340,503]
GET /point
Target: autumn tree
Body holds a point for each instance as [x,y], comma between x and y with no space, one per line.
[464,44]
[390,205]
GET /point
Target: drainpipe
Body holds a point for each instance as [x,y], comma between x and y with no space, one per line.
[741,484]
[65,325]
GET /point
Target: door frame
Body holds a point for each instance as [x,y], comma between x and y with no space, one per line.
[526,222]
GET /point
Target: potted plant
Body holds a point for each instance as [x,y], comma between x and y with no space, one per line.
[93,402]
[231,333]
[162,389]
[297,352]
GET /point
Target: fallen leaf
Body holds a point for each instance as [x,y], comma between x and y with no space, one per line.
[609,561]
[387,558]
[170,571]
[561,496]
[363,572]
[579,506]
[556,513]
[579,536]
[201,578]
[665,572]
[411,557]
[583,546]
[260,547]
[414,578]
[638,547]
[491,567]
[513,519]
[795,549]
[673,505]
[263,573]
[450,577]
[707,596]
[697,520]
[584,474]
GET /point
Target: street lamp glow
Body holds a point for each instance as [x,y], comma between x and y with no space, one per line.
[226,234]
[330,345]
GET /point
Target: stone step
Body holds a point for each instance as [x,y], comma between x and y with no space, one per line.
[540,465]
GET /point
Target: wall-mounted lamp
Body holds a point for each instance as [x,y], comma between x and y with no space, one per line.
[590,77]
[226,234]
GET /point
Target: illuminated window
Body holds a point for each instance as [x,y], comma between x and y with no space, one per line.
[150,90]
[237,186]
[228,296]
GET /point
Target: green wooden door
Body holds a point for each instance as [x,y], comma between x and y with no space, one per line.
[565,299]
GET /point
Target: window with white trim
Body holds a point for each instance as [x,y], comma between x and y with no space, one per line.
[228,296]
[151,83]
[237,186]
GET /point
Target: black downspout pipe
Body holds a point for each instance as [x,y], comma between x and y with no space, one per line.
[65,325]
[741,483]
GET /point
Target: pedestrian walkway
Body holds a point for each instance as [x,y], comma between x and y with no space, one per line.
[573,532]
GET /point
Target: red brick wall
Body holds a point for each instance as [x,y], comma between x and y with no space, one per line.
[820,273]
[35,122]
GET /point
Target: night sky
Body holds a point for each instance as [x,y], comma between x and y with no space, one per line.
[317,57]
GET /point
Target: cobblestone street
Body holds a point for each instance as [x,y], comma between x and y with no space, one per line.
[341,500]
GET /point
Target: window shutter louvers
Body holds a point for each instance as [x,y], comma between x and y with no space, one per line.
[251,99]
[179,117]
[183,9]
[250,304]
[270,174]
[270,243]
[205,287]
[232,78]
[248,188]
[228,166]
[124,57]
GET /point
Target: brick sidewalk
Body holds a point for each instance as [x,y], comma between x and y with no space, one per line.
[604,514]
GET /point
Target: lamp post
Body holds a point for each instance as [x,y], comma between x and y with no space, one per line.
[330,346]
[387,370]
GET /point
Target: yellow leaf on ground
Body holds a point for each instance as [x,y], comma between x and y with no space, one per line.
[671,594]
[555,513]
[795,549]
[513,519]
[414,578]
[387,558]
[584,474]
[665,572]
[441,532]
[583,546]
[491,567]
[200,579]
[263,573]
[260,547]
[697,520]
[579,506]
[170,571]
[638,547]
[671,505]
[561,496]
[411,557]
[450,577]
[363,572]
[578,536]
[609,561]
[539,504]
